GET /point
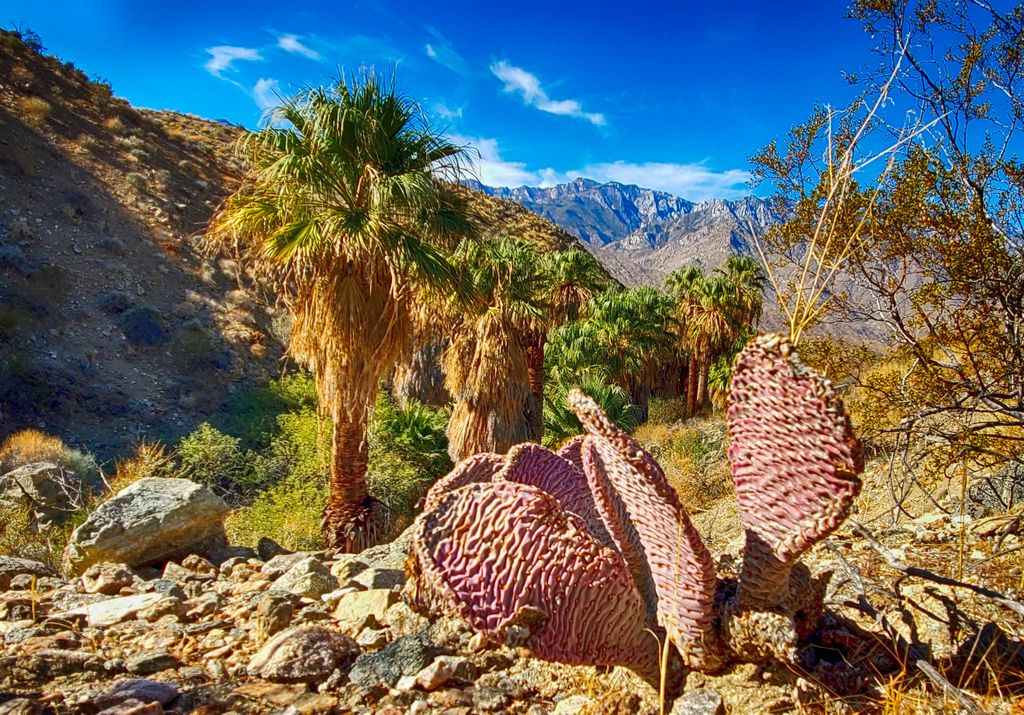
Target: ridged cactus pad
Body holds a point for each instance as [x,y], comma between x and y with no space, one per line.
[587,556]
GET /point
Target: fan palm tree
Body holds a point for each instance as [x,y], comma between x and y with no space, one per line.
[346,212]
[621,338]
[486,364]
[571,278]
[748,281]
[686,284]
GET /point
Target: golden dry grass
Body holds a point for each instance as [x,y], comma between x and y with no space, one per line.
[28,446]
[35,110]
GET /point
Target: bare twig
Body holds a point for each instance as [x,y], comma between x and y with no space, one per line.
[895,563]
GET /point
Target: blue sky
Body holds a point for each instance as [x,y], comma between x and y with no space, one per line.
[673,96]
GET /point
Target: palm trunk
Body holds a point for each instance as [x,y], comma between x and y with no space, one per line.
[535,374]
[691,386]
[347,519]
[702,385]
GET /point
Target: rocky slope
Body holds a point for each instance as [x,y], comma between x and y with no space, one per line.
[233,629]
[115,325]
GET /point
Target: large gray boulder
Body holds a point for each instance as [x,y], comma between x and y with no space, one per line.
[151,521]
[52,494]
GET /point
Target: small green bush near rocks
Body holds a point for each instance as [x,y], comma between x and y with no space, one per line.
[210,457]
[21,538]
[408,451]
[288,512]
[136,180]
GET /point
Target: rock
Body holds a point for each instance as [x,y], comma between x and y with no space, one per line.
[273,693]
[197,564]
[274,613]
[405,656]
[308,578]
[205,605]
[355,610]
[702,701]
[154,519]
[573,704]
[380,578]
[112,610]
[222,554]
[145,691]
[267,549]
[20,706]
[370,638]
[490,699]
[166,588]
[404,621]
[107,578]
[177,573]
[133,707]
[52,493]
[441,671]
[11,566]
[305,654]
[152,662]
[347,568]
[166,606]
[276,566]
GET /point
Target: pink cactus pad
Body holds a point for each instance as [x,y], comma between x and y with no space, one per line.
[671,565]
[478,468]
[507,556]
[795,462]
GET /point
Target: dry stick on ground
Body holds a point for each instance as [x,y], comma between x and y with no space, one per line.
[894,562]
[913,652]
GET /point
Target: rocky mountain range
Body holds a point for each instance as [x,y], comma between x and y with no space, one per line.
[641,235]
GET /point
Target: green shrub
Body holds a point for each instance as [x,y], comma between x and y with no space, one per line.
[21,538]
[251,413]
[408,451]
[666,410]
[416,433]
[136,180]
[305,438]
[288,512]
[693,458]
[560,422]
[210,457]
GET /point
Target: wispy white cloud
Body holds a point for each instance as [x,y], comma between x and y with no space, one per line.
[440,50]
[266,93]
[526,84]
[223,56]
[292,43]
[693,181]
[445,112]
[490,167]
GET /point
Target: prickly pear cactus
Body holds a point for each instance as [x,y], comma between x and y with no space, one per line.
[584,554]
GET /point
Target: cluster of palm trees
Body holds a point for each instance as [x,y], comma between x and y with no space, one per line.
[352,211]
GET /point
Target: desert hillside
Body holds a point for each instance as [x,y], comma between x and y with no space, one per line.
[115,325]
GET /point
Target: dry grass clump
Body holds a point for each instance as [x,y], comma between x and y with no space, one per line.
[114,124]
[150,460]
[30,446]
[693,458]
[35,110]
[22,538]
